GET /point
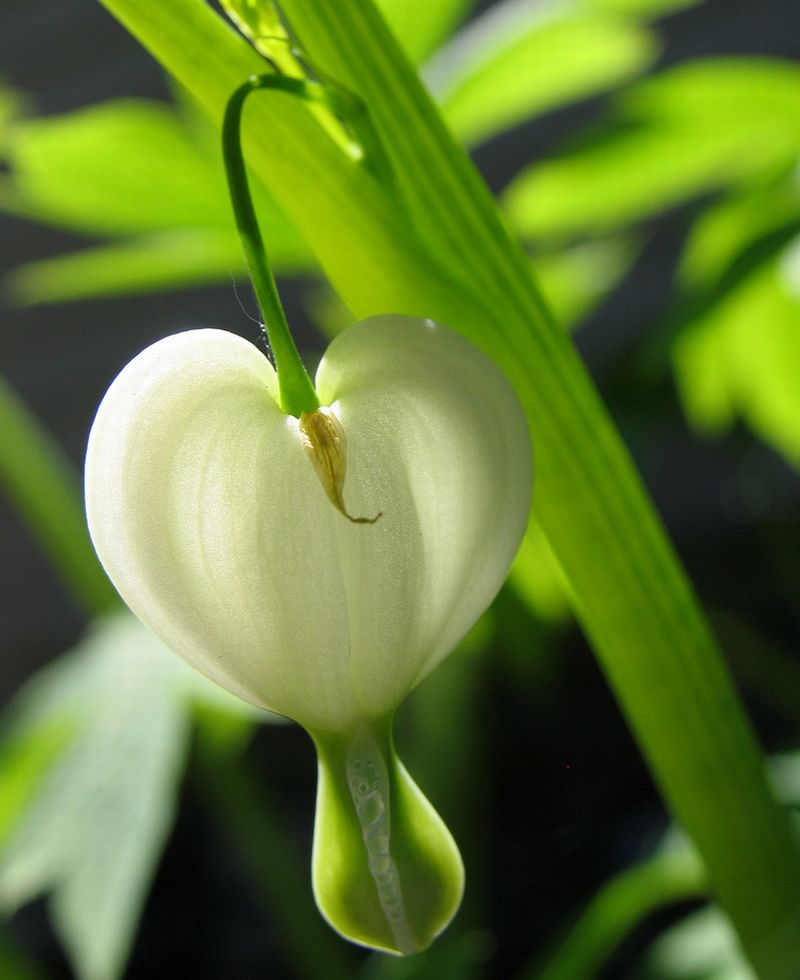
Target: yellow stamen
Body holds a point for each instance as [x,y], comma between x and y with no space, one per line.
[324,440]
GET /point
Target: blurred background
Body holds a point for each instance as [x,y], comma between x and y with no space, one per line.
[646,152]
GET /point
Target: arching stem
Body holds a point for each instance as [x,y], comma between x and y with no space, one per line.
[297,393]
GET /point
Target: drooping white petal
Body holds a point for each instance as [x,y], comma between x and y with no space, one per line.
[212,522]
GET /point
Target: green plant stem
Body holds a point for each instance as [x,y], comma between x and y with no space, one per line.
[297,393]
[619,906]
[251,819]
[433,245]
[42,485]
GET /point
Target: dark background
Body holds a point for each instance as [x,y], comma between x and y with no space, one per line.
[564,770]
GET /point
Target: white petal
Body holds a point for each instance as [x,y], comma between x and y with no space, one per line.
[438,442]
[211,521]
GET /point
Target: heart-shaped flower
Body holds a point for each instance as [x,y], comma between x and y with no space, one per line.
[220,520]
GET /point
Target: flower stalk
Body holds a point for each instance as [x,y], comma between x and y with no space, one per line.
[296,391]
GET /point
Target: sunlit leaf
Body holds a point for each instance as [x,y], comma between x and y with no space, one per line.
[575,279]
[697,128]
[126,167]
[94,832]
[165,261]
[743,358]
[737,350]
[420,25]
[133,168]
[700,947]
[121,167]
[536,577]
[25,757]
[94,749]
[517,62]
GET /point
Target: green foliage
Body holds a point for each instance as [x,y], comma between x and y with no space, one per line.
[514,64]
[738,349]
[421,25]
[92,832]
[173,216]
[697,128]
[168,260]
[722,134]
[672,875]
[702,947]
[93,753]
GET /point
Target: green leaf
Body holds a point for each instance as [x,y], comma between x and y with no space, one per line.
[674,874]
[574,280]
[69,170]
[124,167]
[25,757]
[512,64]
[93,834]
[743,358]
[536,577]
[421,25]
[697,128]
[735,350]
[169,260]
[43,487]
[701,947]
[92,754]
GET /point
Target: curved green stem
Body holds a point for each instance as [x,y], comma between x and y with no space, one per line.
[297,393]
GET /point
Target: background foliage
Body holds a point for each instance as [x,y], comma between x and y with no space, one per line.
[647,156]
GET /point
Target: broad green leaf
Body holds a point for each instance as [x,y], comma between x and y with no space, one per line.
[697,128]
[70,171]
[123,167]
[737,352]
[25,758]
[514,63]
[743,358]
[44,489]
[92,835]
[421,25]
[93,753]
[169,260]
[730,239]
[129,167]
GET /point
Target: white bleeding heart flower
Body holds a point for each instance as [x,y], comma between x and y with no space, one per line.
[219,518]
